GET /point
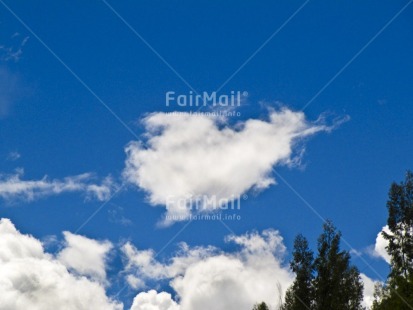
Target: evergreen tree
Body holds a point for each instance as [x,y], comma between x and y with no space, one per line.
[261,306]
[337,284]
[397,293]
[298,296]
[329,281]
[400,222]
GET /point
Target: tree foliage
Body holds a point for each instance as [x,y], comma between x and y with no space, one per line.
[327,282]
[261,306]
[397,292]
[337,284]
[299,295]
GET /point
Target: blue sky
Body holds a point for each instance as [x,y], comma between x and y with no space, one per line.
[59,128]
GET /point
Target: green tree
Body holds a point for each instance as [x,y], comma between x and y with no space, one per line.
[299,295]
[337,284]
[261,306]
[397,292]
[400,222]
[329,281]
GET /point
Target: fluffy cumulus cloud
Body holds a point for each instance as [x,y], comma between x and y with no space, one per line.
[153,300]
[33,279]
[368,286]
[12,186]
[202,278]
[85,256]
[208,278]
[189,158]
[380,246]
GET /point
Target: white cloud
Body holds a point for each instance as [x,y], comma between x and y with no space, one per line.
[33,279]
[154,301]
[202,278]
[85,256]
[14,52]
[379,249]
[206,278]
[10,90]
[381,243]
[13,187]
[188,156]
[11,87]
[145,263]
[135,282]
[116,215]
[12,156]
[368,293]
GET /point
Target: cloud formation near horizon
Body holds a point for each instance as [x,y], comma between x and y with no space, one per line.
[207,278]
[190,156]
[202,278]
[33,279]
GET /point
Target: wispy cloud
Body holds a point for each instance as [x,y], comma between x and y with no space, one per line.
[15,50]
[13,156]
[13,187]
[116,215]
[10,90]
